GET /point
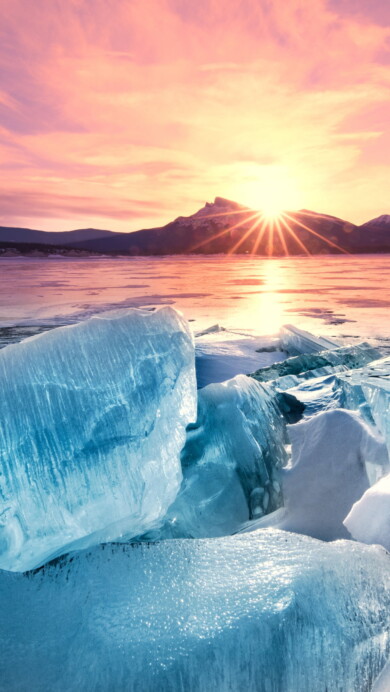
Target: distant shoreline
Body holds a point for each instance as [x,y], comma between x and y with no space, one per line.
[40,251]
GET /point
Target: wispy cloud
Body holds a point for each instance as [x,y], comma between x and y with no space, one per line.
[170,103]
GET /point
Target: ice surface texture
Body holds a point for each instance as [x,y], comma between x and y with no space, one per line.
[230,462]
[320,363]
[296,341]
[369,390]
[93,419]
[369,518]
[327,474]
[222,354]
[261,612]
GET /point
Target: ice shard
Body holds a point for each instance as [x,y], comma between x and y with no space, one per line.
[368,389]
[317,379]
[327,474]
[263,611]
[296,341]
[230,462]
[308,365]
[92,421]
[317,394]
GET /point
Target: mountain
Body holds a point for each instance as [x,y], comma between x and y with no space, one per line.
[376,233]
[380,221]
[225,226]
[8,234]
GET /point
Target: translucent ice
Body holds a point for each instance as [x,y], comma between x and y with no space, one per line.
[369,518]
[327,474]
[93,419]
[267,611]
[317,364]
[327,379]
[368,389]
[230,461]
[296,341]
[318,394]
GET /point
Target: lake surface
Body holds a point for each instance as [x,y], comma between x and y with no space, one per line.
[346,297]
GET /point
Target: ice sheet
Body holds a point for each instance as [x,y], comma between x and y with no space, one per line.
[263,611]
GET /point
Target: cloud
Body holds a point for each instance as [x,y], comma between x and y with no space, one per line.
[171,103]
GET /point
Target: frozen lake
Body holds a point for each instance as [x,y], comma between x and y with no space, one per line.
[346,297]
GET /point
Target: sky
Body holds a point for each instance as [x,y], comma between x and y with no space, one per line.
[125,114]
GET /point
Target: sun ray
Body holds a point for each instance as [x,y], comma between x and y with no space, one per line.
[259,238]
[245,236]
[326,240]
[270,247]
[221,233]
[281,236]
[297,240]
[314,215]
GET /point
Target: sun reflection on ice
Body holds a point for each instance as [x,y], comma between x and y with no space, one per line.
[264,309]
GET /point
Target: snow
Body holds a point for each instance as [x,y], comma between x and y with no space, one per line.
[327,474]
[263,611]
[221,354]
[93,420]
[369,518]
[230,462]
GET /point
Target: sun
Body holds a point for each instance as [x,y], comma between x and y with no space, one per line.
[267,222]
[271,210]
[271,189]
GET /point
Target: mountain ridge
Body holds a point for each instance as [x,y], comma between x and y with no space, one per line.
[223,226]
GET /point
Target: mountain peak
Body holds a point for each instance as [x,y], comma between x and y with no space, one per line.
[221,207]
[223,202]
[383,220]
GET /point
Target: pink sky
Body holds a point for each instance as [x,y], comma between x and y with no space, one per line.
[124,114]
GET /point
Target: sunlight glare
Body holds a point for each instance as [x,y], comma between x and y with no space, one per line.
[271,189]
[272,210]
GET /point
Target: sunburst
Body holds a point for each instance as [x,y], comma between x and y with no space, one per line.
[268,225]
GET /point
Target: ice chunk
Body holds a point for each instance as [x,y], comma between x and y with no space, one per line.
[317,364]
[369,518]
[262,611]
[327,474]
[312,378]
[317,394]
[296,341]
[230,462]
[368,389]
[93,419]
